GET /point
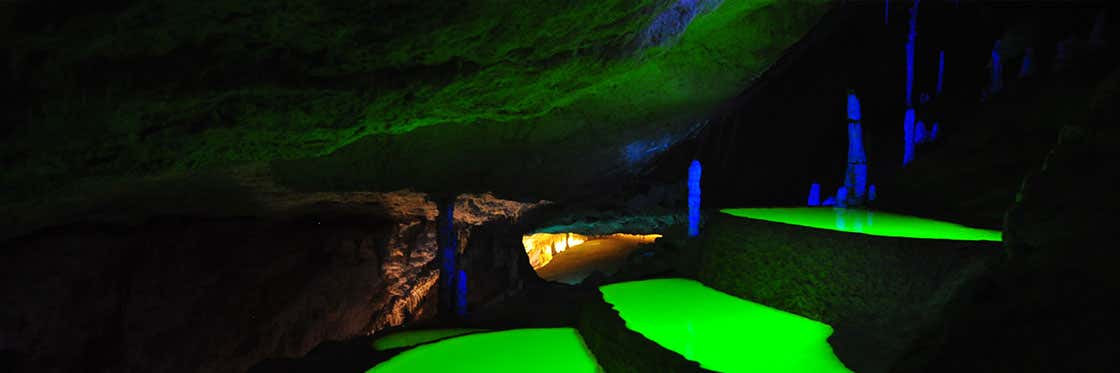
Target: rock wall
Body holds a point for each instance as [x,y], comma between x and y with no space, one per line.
[182,295]
[183,292]
[1043,309]
[873,290]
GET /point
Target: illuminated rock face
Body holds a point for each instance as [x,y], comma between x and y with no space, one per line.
[541,247]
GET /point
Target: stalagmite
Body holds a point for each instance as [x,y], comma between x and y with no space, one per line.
[908,137]
[920,136]
[448,252]
[1096,38]
[694,199]
[461,294]
[940,72]
[997,71]
[855,176]
[815,195]
[1063,57]
[1027,67]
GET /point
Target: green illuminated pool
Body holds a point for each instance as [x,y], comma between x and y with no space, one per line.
[519,350]
[873,223]
[415,337]
[722,332]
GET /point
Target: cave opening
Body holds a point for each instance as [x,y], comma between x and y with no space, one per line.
[571,257]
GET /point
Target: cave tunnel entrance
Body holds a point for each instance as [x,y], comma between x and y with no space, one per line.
[571,257]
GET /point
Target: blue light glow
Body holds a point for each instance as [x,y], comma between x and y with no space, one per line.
[933,132]
[694,199]
[815,195]
[871,194]
[674,21]
[641,151]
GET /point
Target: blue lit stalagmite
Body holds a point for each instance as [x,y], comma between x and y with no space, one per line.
[855,177]
[694,199]
[997,71]
[815,194]
[461,293]
[940,72]
[451,279]
[908,123]
[908,132]
[1027,67]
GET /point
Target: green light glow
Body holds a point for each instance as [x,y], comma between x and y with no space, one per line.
[873,223]
[722,332]
[558,350]
[415,337]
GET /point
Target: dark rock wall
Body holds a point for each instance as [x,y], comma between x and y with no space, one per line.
[1044,309]
[872,290]
[181,295]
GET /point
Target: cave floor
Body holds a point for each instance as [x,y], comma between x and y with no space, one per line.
[605,255]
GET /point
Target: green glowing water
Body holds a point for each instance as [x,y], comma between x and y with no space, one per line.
[415,337]
[722,332]
[874,223]
[558,350]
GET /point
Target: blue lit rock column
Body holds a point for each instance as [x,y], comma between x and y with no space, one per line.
[694,199]
[855,176]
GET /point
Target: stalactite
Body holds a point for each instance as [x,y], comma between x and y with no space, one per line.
[911,40]
[887,12]
[694,199]
[815,195]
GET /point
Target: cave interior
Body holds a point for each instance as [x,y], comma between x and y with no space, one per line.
[559,186]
